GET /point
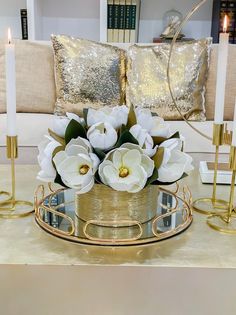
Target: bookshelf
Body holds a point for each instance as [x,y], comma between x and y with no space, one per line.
[88,19]
[220,8]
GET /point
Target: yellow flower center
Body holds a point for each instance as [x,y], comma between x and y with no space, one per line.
[84,169]
[123,172]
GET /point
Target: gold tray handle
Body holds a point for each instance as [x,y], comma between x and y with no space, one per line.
[161,217]
[38,197]
[113,224]
[49,227]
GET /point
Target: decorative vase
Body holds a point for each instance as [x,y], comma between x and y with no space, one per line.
[112,214]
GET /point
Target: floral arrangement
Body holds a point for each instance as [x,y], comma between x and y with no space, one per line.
[126,149]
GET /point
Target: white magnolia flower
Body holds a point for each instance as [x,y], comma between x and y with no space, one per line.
[155,126]
[115,116]
[126,170]
[144,139]
[77,165]
[175,162]
[60,123]
[46,149]
[102,136]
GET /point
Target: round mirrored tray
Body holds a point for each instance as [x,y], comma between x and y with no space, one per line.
[55,214]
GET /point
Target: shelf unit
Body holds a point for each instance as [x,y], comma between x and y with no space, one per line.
[88,19]
[220,8]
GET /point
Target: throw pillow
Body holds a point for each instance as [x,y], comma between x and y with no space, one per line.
[87,74]
[147,78]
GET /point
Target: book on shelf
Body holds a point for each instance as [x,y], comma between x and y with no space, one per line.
[121,37]
[110,25]
[134,20]
[116,18]
[123,20]
[24,24]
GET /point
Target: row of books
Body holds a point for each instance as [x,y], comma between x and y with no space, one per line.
[229,8]
[123,20]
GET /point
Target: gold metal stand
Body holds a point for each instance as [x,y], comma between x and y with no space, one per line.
[213,205]
[13,208]
[226,222]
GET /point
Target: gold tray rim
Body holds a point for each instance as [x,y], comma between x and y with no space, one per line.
[114,243]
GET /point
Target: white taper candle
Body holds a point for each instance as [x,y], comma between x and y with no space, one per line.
[10,86]
[221,74]
[234,127]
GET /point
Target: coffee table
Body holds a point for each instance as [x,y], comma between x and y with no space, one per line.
[128,280]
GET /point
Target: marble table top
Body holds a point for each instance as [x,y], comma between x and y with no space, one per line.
[23,242]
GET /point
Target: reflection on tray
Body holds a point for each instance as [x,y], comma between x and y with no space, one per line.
[64,203]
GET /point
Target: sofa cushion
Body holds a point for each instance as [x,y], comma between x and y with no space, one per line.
[230,84]
[35,84]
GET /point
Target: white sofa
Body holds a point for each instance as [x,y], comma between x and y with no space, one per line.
[32,126]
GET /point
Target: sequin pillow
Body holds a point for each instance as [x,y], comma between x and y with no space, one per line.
[87,74]
[147,78]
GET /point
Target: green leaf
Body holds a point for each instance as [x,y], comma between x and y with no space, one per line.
[56,137]
[159,140]
[158,157]
[132,120]
[126,137]
[74,130]
[175,136]
[97,178]
[85,114]
[59,181]
[101,155]
[153,178]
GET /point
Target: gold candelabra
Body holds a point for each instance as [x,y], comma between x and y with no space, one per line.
[212,205]
[11,208]
[225,222]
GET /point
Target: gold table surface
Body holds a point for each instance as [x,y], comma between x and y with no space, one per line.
[23,242]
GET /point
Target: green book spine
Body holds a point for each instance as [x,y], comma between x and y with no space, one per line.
[110,20]
[110,16]
[122,17]
[116,16]
[116,21]
[127,17]
[132,17]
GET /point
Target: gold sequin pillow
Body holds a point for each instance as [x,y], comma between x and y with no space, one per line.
[87,74]
[147,78]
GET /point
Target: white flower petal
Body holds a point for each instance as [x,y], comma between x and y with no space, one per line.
[75,150]
[100,170]
[131,146]
[132,158]
[102,136]
[59,158]
[148,165]
[86,188]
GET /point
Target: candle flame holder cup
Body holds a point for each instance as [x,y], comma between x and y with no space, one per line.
[12,208]
[226,222]
[213,205]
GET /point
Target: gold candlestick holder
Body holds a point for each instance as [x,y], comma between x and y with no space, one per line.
[12,208]
[212,205]
[225,222]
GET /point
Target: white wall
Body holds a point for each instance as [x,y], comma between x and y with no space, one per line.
[10,17]
[152,12]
